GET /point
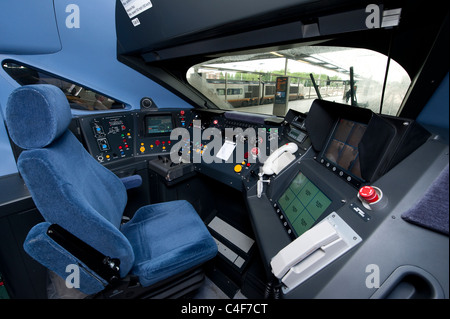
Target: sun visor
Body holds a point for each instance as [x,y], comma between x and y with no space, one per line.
[385,141]
[28,27]
[322,118]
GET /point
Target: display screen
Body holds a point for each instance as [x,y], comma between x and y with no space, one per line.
[158,124]
[343,147]
[302,204]
[297,135]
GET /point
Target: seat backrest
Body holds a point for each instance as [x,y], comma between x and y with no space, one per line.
[69,187]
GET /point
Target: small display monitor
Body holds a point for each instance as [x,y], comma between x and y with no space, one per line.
[302,203]
[158,124]
[342,150]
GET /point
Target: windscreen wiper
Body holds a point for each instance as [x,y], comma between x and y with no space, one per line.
[315,86]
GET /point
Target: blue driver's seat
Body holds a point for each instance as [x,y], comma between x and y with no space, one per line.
[82,203]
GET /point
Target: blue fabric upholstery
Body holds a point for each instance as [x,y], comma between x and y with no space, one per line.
[50,254]
[190,243]
[41,119]
[432,210]
[71,189]
[132,181]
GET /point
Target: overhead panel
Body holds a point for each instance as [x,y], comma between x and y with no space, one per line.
[161,30]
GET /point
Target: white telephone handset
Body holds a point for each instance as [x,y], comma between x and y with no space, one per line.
[280,158]
[302,247]
[313,250]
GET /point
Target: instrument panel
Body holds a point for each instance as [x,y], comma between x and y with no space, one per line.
[227,146]
[154,130]
[110,137]
[113,137]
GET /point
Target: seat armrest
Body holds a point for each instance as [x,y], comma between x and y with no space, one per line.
[47,251]
[132,181]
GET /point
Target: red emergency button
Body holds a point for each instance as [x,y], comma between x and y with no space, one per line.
[368,193]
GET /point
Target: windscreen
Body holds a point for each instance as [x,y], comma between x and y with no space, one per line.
[248,82]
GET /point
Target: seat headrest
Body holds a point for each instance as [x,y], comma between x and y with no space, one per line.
[36,115]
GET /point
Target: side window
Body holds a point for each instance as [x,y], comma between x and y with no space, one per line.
[79,97]
[234,91]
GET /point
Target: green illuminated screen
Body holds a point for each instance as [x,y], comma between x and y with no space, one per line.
[303,203]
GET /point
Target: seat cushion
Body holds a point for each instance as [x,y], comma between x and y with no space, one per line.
[167,238]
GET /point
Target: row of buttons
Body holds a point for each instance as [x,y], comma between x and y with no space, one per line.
[341,173]
[230,123]
[164,145]
[284,221]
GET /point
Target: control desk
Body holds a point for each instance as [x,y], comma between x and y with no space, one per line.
[301,175]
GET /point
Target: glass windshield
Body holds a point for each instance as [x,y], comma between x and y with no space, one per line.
[80,98]
[249,82]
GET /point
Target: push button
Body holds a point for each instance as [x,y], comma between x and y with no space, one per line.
[368,193]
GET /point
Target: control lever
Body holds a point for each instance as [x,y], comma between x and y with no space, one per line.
[166,161]
[260,183]
[163,159]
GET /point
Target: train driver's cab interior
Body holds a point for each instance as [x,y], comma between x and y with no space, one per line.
[252,150]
